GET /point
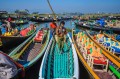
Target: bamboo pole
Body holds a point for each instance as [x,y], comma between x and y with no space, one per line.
[52,10]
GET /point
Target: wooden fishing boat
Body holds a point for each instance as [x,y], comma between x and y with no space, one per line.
[49,19]
[56,65]
[98,28]
[41,20]
[98,63]
[110,45]
[8,39]
[30,51]
[18,23]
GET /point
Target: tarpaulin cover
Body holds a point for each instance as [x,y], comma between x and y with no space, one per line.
[101,22]
[7,68]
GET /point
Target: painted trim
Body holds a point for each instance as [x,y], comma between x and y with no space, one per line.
[76,63]
[45,58]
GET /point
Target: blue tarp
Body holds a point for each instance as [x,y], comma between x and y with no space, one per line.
[7,68]
[101,22]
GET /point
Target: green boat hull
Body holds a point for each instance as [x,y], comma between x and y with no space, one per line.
[60,63]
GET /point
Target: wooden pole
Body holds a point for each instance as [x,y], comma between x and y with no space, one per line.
[52,10]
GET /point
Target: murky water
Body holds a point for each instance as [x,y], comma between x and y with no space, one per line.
[33,71]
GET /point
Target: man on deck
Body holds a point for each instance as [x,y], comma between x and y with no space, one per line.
[8,24]
[60,36]
[9,19]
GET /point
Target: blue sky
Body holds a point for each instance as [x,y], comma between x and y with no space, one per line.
[60,6]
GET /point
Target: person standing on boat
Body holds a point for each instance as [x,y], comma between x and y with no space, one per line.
[53,27]
[9,19]
[60,36]
[8,26]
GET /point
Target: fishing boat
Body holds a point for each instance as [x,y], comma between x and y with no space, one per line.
[98,28]
[57,64]
[30,51]
[14,38]
[18,23]
[41,19]
[98,63]
[110,45]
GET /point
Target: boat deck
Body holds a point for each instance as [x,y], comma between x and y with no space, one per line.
[32,51]
[60,63]
[104,75]
[99,70]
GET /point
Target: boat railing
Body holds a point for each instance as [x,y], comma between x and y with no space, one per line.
[43,69]
[75,60]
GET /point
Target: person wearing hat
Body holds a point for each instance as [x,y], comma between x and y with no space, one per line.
[60,36]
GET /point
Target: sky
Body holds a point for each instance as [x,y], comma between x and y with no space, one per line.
[60,6]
